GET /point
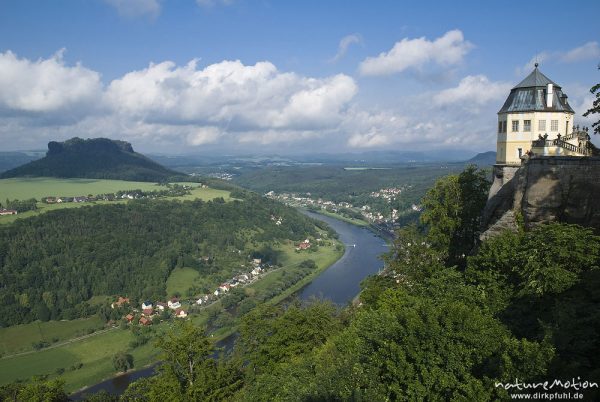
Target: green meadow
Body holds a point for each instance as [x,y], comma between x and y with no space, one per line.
[80,363]
[40,187]
[180,280]
[20,338]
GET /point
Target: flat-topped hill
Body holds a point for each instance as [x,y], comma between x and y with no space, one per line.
[98,158]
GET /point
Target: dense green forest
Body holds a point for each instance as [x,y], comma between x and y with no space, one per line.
[98,158]
[51,264]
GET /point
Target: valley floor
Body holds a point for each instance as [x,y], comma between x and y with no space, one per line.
[82,359]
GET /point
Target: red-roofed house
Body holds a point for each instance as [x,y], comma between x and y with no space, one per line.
[120,302]
[145,321]
[179,313]
[8,212]
[129,317]
[303,246]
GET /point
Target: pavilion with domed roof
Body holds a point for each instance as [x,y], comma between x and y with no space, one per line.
[536,119]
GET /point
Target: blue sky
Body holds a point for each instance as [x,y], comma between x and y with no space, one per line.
[282,76]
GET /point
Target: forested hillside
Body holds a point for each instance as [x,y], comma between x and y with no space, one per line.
[52,263]
[98,158]
[338,184]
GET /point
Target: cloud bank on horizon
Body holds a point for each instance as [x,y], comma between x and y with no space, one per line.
[232,105]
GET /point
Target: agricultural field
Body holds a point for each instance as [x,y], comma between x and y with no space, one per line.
[39,187]
[79,363]
[20,338]
[26,188]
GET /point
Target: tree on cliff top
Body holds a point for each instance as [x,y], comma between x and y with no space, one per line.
[595,107]
[452,212]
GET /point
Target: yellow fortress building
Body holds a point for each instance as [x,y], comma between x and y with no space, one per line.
[536,119]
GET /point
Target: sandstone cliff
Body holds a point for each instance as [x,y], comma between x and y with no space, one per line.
[544,189]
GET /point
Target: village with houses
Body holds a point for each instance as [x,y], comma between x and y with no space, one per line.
[367,212]
[149,310]
[172,190]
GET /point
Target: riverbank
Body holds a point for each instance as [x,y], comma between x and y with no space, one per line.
[352,221]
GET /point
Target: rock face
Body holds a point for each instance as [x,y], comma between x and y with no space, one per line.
[544,189]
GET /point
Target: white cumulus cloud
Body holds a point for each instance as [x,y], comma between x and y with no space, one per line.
[473,90]
[46,85]
[232,105]
[446,50]
[232,95]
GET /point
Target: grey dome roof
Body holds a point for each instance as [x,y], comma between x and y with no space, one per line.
[536,79]
[530,96]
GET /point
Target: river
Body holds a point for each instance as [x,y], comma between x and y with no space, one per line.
[339,283]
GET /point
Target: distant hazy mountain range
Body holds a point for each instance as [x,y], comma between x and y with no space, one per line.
[353,159]
[484,158]
[9,160]
[98,158]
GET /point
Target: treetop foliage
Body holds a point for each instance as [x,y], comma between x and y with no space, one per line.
[595,109]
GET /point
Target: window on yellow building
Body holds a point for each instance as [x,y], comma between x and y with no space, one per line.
[542,125]
[515,126]
[526,125]
[553,125]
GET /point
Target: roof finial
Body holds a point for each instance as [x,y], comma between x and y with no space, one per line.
[536,65]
